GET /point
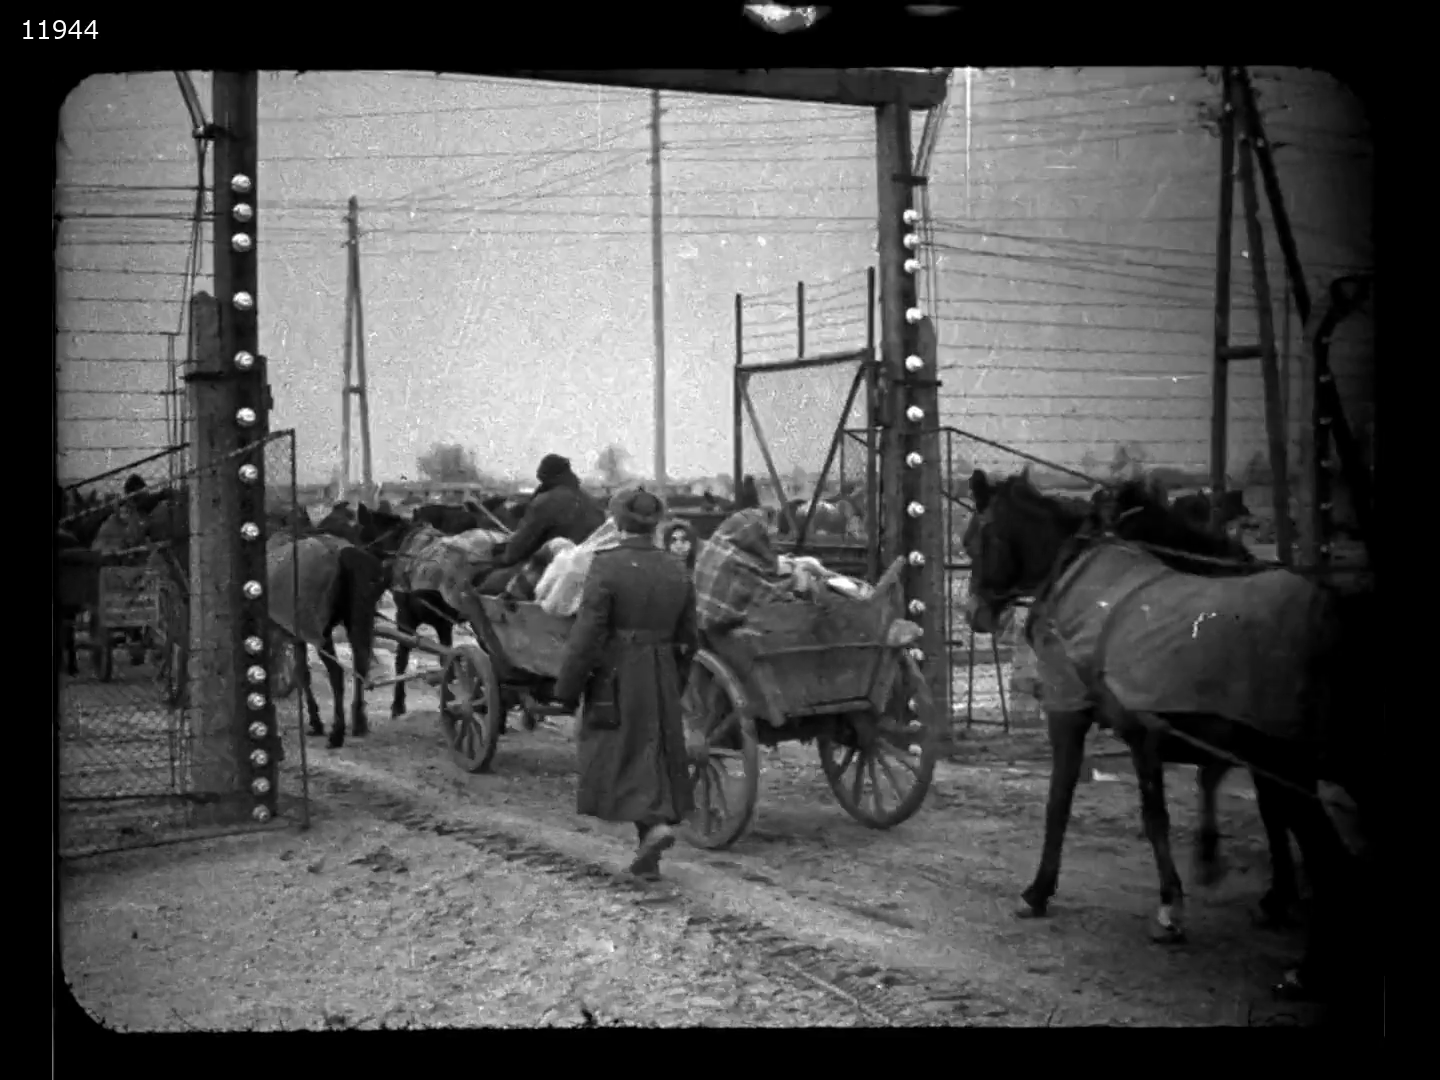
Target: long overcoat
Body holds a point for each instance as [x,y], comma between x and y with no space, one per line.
[628,652]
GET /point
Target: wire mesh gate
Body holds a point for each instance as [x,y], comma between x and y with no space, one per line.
[124,618]
[807,424]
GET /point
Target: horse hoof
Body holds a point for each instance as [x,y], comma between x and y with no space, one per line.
[397,711]
[337,743]
[1166,929]
[316,732]
[1035,908]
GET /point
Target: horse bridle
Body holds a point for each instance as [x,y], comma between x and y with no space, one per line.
[1073,546]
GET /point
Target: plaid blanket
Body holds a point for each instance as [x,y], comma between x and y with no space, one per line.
[735,571]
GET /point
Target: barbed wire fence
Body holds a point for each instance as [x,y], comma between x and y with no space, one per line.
[1073,231]
[132,253]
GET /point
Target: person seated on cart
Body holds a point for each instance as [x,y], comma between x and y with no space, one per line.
[558,509]
[628,653]
[736,569]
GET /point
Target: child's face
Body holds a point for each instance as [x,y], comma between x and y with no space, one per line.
[680,545]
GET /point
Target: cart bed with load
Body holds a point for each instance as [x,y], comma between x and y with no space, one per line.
[827,667]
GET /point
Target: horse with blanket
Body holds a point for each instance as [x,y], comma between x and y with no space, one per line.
[429,572]
[1190,651]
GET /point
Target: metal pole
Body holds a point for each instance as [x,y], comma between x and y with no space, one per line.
[657,260]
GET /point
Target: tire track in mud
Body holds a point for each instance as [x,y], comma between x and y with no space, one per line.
[882,994]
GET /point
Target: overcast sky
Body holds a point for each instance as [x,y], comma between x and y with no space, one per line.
[506,259]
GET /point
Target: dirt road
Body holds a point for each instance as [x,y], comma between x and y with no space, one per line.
[508,901]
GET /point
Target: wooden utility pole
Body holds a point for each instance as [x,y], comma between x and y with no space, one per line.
[909,398]
[227,391]
[362,386]
[355,386]
[657,260]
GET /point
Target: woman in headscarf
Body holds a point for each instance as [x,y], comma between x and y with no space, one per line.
[628,653]
[678,538]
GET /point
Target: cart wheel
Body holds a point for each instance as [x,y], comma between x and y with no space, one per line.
[725,787]
[470,708]
[879,765]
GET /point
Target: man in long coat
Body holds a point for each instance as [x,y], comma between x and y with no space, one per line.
[558,509]
[629,652]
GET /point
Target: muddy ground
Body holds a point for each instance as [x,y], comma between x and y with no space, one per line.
[423,895]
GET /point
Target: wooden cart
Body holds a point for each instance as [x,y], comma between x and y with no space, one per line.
[832,670]
[121,599]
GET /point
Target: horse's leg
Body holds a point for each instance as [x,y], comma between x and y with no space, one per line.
[1325,865]
[1282,896]
[359,723]
[337,689]
[302,676]
[1067,753]
[1209,866]
[406,624]
[1150,771]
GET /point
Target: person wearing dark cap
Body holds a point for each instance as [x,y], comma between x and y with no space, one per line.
[629,653]
[558,508]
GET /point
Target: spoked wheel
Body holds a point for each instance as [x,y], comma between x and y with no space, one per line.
[879,765]
[726,784]
[471,710]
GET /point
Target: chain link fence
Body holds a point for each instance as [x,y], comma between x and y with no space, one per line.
[126,618]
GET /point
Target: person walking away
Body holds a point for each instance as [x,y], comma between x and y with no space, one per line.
[558,509]
[628,653]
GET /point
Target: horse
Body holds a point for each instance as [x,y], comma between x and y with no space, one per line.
[339,584]
[1253,688]
[428,572]
[1197,509]
[454,520]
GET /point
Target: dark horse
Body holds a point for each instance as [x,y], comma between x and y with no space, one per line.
[453,520]
[1021,542]
[407,548]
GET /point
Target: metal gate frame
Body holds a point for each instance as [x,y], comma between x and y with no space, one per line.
[867,375]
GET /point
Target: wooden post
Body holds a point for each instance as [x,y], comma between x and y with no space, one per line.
[657,285]
[739,418]
[800,319]
[906,484]
[238,482]
[214,543]
[362,385]
[352,219]
[1269,367]
[1220,372]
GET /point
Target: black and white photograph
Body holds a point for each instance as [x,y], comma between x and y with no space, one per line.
[783,547]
